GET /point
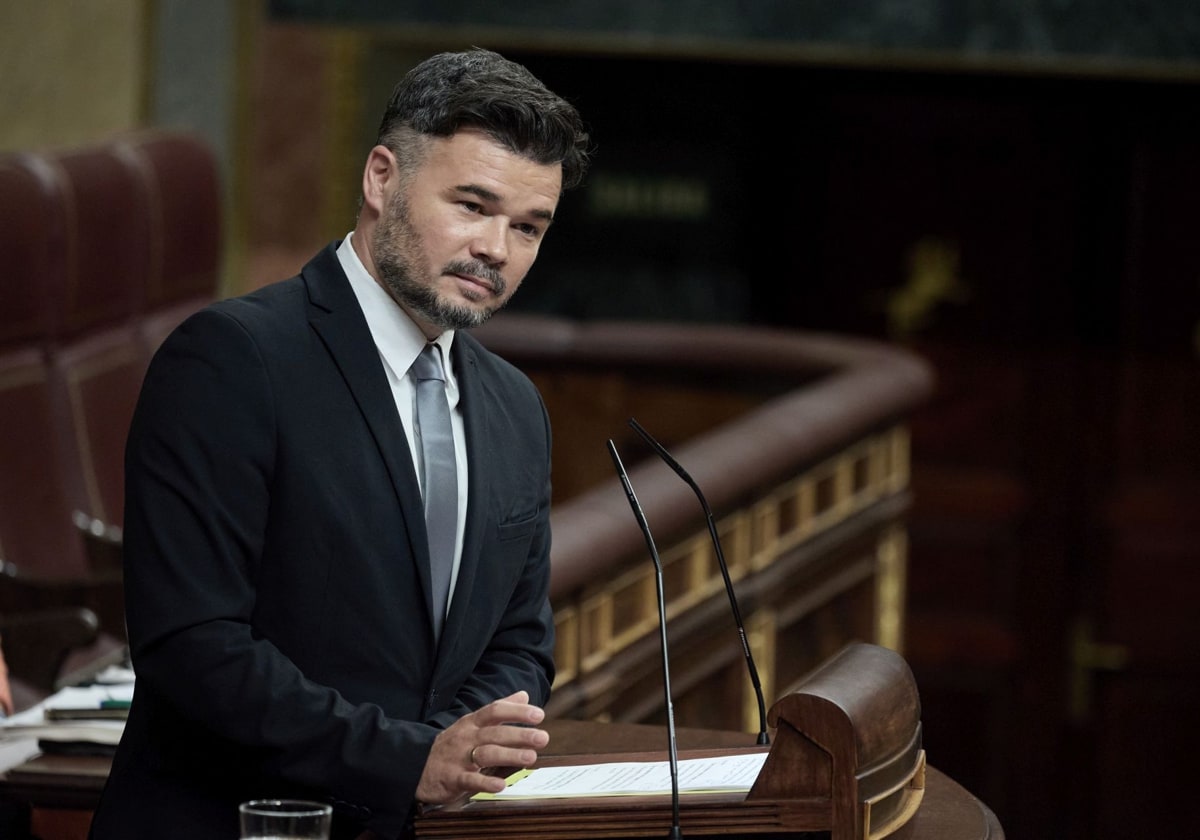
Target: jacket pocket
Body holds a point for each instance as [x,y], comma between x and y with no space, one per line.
[517,530]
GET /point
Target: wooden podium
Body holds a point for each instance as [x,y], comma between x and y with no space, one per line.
[845,760]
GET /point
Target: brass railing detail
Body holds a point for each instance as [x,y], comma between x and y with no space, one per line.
[612,614]
[761,633]
[890,587]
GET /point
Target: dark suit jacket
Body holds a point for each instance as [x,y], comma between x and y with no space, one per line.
[277,571]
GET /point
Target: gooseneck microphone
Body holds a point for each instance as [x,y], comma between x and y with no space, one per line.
[763,738]
[676,832]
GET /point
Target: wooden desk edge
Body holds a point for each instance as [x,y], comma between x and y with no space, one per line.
[948,811]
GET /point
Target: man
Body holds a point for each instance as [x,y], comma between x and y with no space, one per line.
[285,632]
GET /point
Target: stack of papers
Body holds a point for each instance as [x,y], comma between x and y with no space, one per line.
[77,719]
[90,702]
[722,774]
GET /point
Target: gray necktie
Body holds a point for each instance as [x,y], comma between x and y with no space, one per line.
[440,479]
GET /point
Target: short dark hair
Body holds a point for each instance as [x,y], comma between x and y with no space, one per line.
[481,89]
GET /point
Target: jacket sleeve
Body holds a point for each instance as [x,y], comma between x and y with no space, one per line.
[200,457]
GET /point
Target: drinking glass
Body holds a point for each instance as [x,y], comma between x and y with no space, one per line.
[284,819]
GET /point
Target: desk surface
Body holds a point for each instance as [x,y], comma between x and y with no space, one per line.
[947,812]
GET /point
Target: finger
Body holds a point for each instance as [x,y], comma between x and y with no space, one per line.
[504,745]
[486,783]
[507,735]
[512,709]
[501,755]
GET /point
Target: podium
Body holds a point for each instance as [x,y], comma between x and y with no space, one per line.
[845,760]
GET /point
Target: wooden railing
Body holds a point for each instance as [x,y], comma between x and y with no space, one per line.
[799,444]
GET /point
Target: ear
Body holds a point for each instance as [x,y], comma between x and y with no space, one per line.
[378,174]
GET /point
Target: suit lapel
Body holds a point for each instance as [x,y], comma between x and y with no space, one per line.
[337,319]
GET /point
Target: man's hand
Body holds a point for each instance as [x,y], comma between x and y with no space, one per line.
[479,740]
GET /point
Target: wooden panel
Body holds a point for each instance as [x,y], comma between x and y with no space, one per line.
[587,407]
[812,577]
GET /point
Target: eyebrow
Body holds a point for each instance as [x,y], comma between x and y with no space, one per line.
[488,195]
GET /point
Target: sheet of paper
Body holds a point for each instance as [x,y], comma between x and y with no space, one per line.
[727,773]
[16,751]
[32,722]
[89,696]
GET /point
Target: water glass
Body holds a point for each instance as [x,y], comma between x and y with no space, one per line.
[284,819]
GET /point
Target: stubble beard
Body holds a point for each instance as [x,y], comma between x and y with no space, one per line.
[398,252]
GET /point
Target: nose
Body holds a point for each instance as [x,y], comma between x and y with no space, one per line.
[491,243]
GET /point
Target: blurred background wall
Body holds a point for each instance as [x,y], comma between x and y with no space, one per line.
[70,71]
[1012,189]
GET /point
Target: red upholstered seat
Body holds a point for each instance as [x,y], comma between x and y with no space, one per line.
[31,239]
[181,185]
[36,471]
[97,363]
[36,533]
[106,223]
[107,247]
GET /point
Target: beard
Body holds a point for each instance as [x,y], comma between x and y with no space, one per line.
[399,253]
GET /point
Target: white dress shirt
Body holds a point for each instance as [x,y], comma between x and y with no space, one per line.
[399,341]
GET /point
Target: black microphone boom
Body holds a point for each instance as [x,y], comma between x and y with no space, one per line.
[763,738]
[676,832]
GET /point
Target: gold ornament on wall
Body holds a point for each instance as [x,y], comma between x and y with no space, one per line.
[933,278]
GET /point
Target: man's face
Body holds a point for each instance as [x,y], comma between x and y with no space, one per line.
[457,236]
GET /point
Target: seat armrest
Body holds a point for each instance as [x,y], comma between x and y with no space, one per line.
[102,543]
[102,593]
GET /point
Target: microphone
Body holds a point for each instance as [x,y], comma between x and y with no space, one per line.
[763,738]
[676,832]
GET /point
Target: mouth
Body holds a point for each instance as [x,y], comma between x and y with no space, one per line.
[476,287]
[475,281]
[471,282]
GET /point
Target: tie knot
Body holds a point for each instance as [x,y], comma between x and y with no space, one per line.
[429,364]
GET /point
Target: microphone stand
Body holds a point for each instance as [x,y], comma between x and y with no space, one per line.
[763,738]
[676,832]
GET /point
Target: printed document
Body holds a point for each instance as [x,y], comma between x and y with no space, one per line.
[722,774]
